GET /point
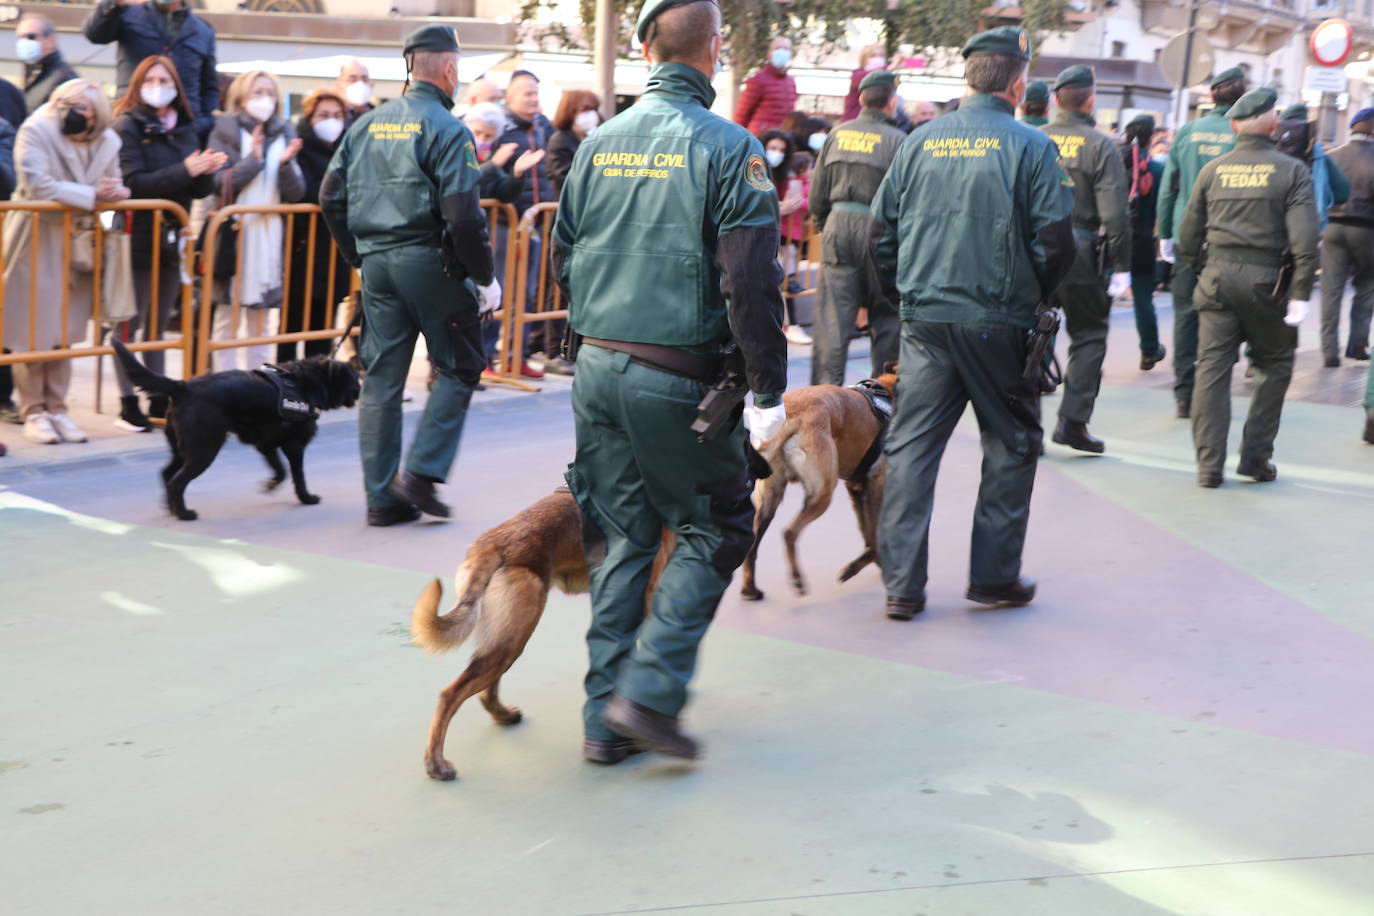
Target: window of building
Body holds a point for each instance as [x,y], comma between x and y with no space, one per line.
[1118,49]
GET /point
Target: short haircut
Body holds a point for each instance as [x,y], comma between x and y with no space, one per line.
[1259,124]
[45,26]
[877,96]
[988,73]
[1036,109]
[1073,97]
[1229,93]
[429,64]
[133,94]
[313,100]
[89,90]
[490,114]
[572,104]
[684,33]
[238,90]
[519,73]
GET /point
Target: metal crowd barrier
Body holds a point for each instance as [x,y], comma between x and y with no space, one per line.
[548,296]
[809,254]
[34,303]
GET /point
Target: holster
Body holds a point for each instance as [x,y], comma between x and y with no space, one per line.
[1285,278]
[453,269]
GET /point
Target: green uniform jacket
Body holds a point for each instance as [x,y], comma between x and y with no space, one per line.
[1255,198]
[1093,161]
[406,174]
[853,162]
[667,231]
[1035,120]
[973,219]
[1196,144]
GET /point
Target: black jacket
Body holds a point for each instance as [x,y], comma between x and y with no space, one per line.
[42,78]
[12,107]
[529,135]
[7,177]
[151,159]
[145,30]
[314,162]
[562,147]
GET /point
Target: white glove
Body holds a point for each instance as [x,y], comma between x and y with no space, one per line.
[1119,283]
[1297,311]
[763,423]
[488,298]
[1166,250]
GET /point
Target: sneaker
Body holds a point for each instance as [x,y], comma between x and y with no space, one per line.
[488,374]
[38,428]
[66,427]
[530,370]
[10,414]
[796,334]
[131,417]
[558,366]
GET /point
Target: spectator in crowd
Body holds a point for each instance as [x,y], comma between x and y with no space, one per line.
[35,45]
[144,28]
[1142,184]
[319,281]
[816,130]
[922,112]
[1348,248]
[160,157]
[484,90]
[9,413]
[577,116]
[770,93]
[261,148]
[65,153]
[12,107]
[486,121]
[354,86]
[527,127]
[873,57]
[794,212]
[794,124]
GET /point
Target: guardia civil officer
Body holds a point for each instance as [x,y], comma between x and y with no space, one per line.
[1348,244]
[973,225]
[1100,220]
[400,198]
[1036,104]
[1249,207]
[666,243]
[850,167]
[1196,144]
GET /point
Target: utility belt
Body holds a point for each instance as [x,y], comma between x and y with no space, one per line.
[1240,255]
[850,206]
[699,367]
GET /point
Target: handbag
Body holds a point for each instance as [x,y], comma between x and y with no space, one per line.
[83,245]
[117,302]
[227,242]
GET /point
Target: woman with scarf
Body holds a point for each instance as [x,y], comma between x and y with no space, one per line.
[161,158]
[1142,180]
[64,152]
[261,148]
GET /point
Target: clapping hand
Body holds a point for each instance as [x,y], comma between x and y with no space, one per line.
[204,162]
[257,142]
[503,154]
[528,160]
[291,150]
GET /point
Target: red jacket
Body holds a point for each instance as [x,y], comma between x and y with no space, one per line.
[768,97]
[851,101]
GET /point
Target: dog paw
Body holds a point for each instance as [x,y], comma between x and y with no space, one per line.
[271,484]
[188,515]
[308,499]
[751,594]
[509,715]
[441,770]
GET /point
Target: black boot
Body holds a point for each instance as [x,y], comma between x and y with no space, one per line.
[1259,471]
[1076,435]
[649,729]
[418,491]
[905,608]
[1012,594]
[130,416]
[1369,426]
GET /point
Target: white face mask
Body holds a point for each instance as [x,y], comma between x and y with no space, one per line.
[780,58]
[587,122]
[157,96]
[876,63]
[358,94]
[1161,158]
[28,50]
[774,157]
[816,141]
[260,107]
[329,130]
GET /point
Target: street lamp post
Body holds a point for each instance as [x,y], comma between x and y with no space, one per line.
[603,55]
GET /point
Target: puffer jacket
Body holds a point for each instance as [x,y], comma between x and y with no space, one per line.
[768,97]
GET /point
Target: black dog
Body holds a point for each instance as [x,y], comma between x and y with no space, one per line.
[268,409]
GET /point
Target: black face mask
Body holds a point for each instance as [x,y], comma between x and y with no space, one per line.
[75,122]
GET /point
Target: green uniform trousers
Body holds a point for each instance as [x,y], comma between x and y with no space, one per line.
[943,368]
[1369,390]
[1083,296]
[405,294]
[638,471]
[849,281]
[1182,285]
[1347,253]
[1236,303]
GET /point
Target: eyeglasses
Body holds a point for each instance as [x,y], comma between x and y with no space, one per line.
[34,36]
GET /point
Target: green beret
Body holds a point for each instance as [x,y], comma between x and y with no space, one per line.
[1074,77]
[1296,112]
[1037,92]
[1254,103]
[653,8]
[879,77]
[1228,76]
[431,38]
[1005,39]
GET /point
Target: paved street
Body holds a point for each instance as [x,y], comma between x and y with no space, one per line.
[225,716]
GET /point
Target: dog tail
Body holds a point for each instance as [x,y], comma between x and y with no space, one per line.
[143,377]
[437,632]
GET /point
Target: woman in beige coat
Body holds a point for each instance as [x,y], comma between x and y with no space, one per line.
[65,152]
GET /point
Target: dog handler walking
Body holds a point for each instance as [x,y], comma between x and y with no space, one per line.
[972,225]
[666,243]
[400,198]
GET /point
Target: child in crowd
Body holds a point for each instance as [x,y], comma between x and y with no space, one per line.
[794,211]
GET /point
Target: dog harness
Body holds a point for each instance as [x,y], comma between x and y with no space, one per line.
[291,404]
[880,402]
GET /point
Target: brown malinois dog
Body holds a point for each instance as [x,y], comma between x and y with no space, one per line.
[828,432]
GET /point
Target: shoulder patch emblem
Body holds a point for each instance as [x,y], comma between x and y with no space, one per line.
[756,173]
